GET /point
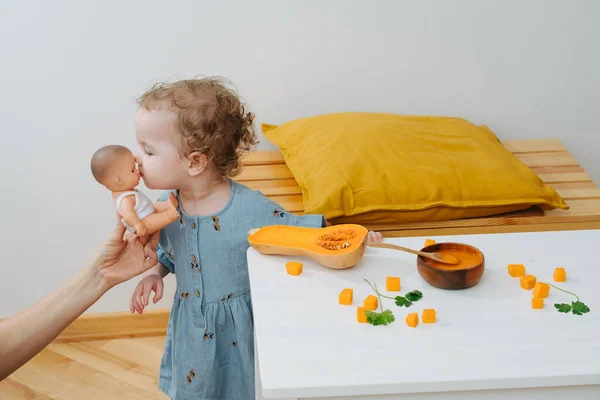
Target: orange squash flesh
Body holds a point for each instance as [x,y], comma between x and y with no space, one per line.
[412,320]
[293,268]
[537,303]
[392,283]
[528,282]
[560,275]
[428,316]
[428,242]
[337,246]
[370,303]
[361,316]
[516,270]
[541,290]
[345,296]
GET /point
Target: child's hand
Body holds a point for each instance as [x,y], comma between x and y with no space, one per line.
[141,294]
[374,237]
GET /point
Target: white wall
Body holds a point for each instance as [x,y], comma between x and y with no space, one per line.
[70,71]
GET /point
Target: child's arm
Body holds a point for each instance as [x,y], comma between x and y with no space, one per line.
[159,270]
[153,279]
[128,213]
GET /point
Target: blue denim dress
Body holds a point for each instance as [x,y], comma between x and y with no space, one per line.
[209,348]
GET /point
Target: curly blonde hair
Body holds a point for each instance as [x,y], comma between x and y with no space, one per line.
[210,118]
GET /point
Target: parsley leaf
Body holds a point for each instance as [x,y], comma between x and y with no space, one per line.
[562,307]
[579,308]
[383,318]
[401,301]
[415,295]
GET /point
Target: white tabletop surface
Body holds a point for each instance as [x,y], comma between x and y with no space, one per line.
[485,337]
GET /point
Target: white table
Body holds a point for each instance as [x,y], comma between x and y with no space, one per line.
[488,343]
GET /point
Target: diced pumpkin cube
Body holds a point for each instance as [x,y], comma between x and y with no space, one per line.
[528,282]
[345,297]
[428,316]
[412,320]
[371,303]
[293,268]
[392,283]
[560,275]
[360,315]
[537,303]
[541,290]
[516,270]
[428,242]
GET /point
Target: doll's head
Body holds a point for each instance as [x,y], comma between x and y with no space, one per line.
[114,167]
[192,129]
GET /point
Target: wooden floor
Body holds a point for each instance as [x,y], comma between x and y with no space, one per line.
[109,369]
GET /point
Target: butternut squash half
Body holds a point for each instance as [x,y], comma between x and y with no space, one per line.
[338,246]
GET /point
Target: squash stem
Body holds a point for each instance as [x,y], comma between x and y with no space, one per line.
[563,290]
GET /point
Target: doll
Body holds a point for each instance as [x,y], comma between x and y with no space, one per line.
[114,167]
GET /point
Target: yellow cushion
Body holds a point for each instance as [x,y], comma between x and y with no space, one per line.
[385,168]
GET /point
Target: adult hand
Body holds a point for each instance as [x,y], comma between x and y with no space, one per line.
[123,257]
[119,259]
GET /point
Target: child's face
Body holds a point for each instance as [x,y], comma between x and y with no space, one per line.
[159,161]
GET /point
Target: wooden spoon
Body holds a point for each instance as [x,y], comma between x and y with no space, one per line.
[439,257]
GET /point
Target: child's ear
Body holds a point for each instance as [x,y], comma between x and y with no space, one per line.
[118,180]
[197,163]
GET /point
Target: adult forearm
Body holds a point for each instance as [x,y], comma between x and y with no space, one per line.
[27,333]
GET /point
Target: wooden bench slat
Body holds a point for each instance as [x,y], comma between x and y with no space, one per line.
[564,177]
[556,170]
[574,185]
[264,157]
[275,183]
[290,203]
[533,145]
[573,194]
[559,159]
[264,173]
[588,208]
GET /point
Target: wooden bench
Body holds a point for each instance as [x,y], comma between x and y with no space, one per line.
[266,171]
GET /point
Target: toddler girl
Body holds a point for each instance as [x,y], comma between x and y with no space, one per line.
[192,134]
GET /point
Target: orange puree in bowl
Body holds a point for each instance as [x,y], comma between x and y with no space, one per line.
[468,259]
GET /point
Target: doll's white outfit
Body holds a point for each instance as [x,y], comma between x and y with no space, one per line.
[143,206]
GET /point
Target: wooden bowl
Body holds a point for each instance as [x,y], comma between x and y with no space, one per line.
[452,277]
